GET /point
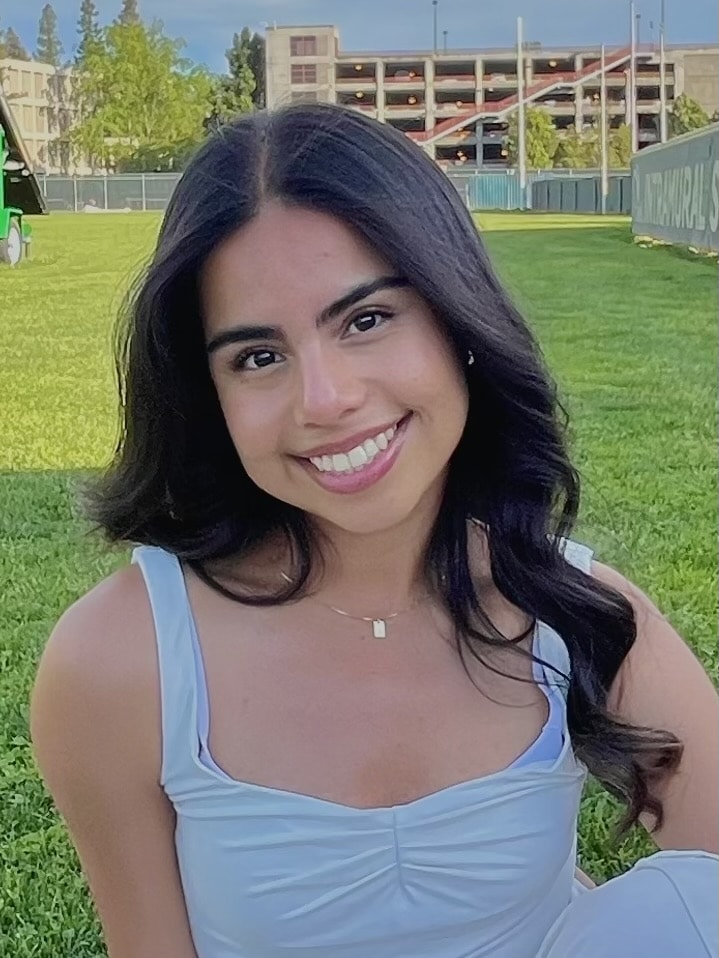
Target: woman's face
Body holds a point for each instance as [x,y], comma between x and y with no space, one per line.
[339,390]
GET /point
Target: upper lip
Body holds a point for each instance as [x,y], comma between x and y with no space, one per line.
[344,445]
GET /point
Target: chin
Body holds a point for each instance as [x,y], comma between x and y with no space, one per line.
[369,516]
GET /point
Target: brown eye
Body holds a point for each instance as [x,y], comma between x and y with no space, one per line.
[254,359]
[367,322]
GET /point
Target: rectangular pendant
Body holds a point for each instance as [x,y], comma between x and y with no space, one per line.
[379,628]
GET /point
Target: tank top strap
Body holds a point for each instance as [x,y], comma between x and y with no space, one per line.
[165,584]
[550,646]
[577,554]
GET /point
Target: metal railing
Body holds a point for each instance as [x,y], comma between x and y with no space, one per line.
[118,192]
[482,189]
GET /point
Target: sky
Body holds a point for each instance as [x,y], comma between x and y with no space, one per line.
[208,25]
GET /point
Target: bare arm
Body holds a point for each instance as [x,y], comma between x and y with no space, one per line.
[661,684]
[95,727]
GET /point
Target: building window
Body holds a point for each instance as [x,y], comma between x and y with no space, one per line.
[304,73]
[303,46]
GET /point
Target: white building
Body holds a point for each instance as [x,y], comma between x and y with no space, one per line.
[457,102]
[39,97]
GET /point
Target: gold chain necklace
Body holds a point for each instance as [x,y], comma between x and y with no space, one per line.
[379,625]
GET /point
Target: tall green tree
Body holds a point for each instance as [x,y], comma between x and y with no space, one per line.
[49,48]
[233,93]
[88,29]
[239,61]
[137,93]
[129,14]
[90,40]
[3,54]
[14,47]
[687,115]
[540,139]
[256,62]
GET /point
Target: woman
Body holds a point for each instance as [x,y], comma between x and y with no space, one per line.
[327,710]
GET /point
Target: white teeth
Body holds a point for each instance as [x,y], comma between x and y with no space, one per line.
[356,458]
[371,448]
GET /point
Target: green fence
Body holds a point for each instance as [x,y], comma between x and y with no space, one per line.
[676,190]
[581,194]
[558,191]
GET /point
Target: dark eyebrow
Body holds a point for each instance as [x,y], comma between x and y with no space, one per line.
[243,334]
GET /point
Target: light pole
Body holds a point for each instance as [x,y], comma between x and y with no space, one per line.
[633,78]
[521,132]
[605,144]
[444,36]
[435,4]
[662,80]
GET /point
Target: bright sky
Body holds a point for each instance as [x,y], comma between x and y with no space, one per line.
[208,25]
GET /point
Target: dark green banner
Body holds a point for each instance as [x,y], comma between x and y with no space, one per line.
[675,190]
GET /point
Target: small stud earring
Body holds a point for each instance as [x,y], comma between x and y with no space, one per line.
[470,358]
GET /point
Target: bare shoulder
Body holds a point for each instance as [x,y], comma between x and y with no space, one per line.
[101,653]
[657,646]
[107,636]
[95,724]
[662,684]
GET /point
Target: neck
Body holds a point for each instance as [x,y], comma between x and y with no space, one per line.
[377,573]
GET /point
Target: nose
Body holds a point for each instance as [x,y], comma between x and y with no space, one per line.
[329,387]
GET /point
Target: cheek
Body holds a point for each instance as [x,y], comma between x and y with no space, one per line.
[439,379]
[254,424]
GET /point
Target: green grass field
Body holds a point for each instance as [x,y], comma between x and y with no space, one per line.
[630,334]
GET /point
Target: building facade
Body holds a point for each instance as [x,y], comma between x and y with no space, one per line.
[457,102]
[40,100]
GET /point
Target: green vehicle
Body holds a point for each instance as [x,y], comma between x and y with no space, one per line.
[20,193]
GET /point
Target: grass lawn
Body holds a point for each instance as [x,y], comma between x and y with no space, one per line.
[630,334]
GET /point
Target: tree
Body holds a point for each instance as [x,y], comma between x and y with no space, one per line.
[686,115]
[130,13]
[14,48]
[257,65]
[49,48]
[159,159]
[540,139]
[137,93]
[3,54]
[578,150]
[88,29]
[234,93]
[620,147]
[239,58]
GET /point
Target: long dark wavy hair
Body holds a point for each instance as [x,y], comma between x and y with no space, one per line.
[176,480]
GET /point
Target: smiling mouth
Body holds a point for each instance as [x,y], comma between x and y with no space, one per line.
[360,456]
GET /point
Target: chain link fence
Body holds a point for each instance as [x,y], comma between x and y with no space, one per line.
[480,190]
[118,192]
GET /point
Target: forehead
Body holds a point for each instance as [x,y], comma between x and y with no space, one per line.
[285,255]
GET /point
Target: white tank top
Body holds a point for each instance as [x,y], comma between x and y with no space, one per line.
[481,869]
